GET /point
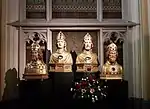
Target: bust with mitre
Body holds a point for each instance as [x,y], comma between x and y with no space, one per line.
[111,69]
[61,57]
[87,57]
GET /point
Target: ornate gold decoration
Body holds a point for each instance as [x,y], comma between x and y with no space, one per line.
[87,61]
[111,69]
[61,60]
[36,68]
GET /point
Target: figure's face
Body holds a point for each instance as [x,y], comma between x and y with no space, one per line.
[34,55]
[88,45]
[60,44]
[112,56]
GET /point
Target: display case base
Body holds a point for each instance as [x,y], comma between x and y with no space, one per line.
[111,77]
[60,68]
[87,67]
[33,76]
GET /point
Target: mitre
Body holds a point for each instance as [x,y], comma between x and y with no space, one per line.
[87,37]
[61,36]
[112,47]
[35,46]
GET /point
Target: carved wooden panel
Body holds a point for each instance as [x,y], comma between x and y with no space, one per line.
[74,8]
[112,9]
[36,9]
[74,40]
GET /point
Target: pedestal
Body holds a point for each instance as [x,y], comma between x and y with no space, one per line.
[62,82]
[60,67]
[87,67]
[111,76]
[117,93]
[33,76]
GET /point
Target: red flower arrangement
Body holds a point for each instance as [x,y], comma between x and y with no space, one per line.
[89,88]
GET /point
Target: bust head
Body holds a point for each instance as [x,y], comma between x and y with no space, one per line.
[88,44]
[35,47]
[112,53]
[61,43]
[112,56]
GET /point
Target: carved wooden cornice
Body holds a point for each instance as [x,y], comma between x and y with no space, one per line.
[73,23]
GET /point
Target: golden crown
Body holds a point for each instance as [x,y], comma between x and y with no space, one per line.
[35,46]
[87,37]
[112,47]
[61,36]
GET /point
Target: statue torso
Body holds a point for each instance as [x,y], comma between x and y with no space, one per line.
[36,67]
[64,58]
[109,68]
[87,57]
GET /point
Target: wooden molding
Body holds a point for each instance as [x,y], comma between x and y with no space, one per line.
[72,23]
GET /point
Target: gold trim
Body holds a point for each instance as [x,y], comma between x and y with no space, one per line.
[60,67]
[111,77]
[31,76]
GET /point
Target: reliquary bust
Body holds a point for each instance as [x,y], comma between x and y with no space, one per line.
[36,68]
[61,60]
[87,61]
[111,69]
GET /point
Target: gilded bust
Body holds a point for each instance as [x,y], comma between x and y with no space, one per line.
[61,56]
[87,57]
[36,68]
[111,69]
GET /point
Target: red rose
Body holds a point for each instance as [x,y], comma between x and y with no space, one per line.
[77,85]
[84,83]
[90,78]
